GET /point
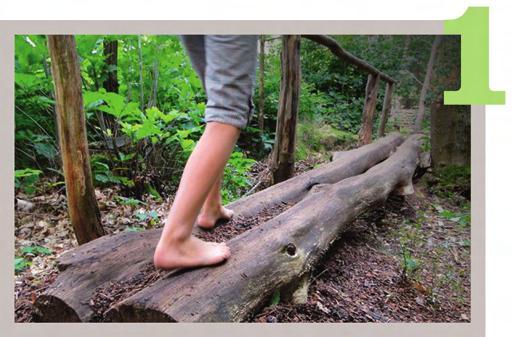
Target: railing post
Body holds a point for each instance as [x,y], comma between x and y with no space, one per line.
[285,141]
[387,106]
[371,94]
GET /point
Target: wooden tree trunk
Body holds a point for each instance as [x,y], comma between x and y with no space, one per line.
[450,134]
[285,142]
[111,84]
[387,106]
[82,205]
[110,51]
[371,95]
[272,255]
[425,86]
[122,256]
[261,72]
[154,85]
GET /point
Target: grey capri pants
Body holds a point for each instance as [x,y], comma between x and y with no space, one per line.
[226,65]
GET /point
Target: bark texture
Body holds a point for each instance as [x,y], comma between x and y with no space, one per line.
[387,106]
[425,85]
[119,257]
[450,135]
[272,255]
[261,82]
[371,96]
[82,206]
[284,146]
[110,51]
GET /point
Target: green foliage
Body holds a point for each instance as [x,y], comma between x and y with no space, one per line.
[235,180]
[129,201]
[35,250]
[20,264]
[165,139]
[409,264]
[452,180]
[134,229]
[23,262]
[409,236]
[461,218]
[144,216]
[141,136]
[275,299]
[26,179]
[314,137]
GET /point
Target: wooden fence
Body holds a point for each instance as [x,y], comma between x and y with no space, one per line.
[283,153]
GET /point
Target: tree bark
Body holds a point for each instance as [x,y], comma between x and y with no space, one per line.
[82,206]
[450,135]
[387,106]
[110,52]
[119,257]
[371,96]
[425,85]
[111,84]
[261,72]
[284,147]
[272,255]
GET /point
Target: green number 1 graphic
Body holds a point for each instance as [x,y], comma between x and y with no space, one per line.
[473,28]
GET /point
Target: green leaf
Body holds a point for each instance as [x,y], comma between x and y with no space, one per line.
[153,192]
[46,150]
[35,250]
[134,229]
[141,215]
[148,128]
[129,201]
[275,299]
[20,264]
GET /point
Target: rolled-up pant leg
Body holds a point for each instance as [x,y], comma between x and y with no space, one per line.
[226,65]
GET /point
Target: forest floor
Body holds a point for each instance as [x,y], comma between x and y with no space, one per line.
[410,262]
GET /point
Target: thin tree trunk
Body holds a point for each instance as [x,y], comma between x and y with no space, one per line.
[154,84]
[407,42]
[261,100]
[284,146]
[371,95]
[111,84]
[387,106]
[141,81]
[110,52]
[425,85]
[82,206]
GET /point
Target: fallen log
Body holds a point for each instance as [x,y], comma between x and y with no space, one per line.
[115,258]
[347,164]
[272,255]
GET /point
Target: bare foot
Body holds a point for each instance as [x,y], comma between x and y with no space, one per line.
[192,252]
[208,218]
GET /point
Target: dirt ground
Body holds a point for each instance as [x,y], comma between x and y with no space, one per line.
[408,260]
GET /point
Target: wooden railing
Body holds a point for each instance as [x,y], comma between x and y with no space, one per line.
[283,152]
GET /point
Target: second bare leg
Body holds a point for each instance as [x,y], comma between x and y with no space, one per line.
[213,209]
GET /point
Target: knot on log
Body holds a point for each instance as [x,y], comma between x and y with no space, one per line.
[290,249]
[319,188]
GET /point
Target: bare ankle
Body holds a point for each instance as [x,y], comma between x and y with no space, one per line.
[211,208]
